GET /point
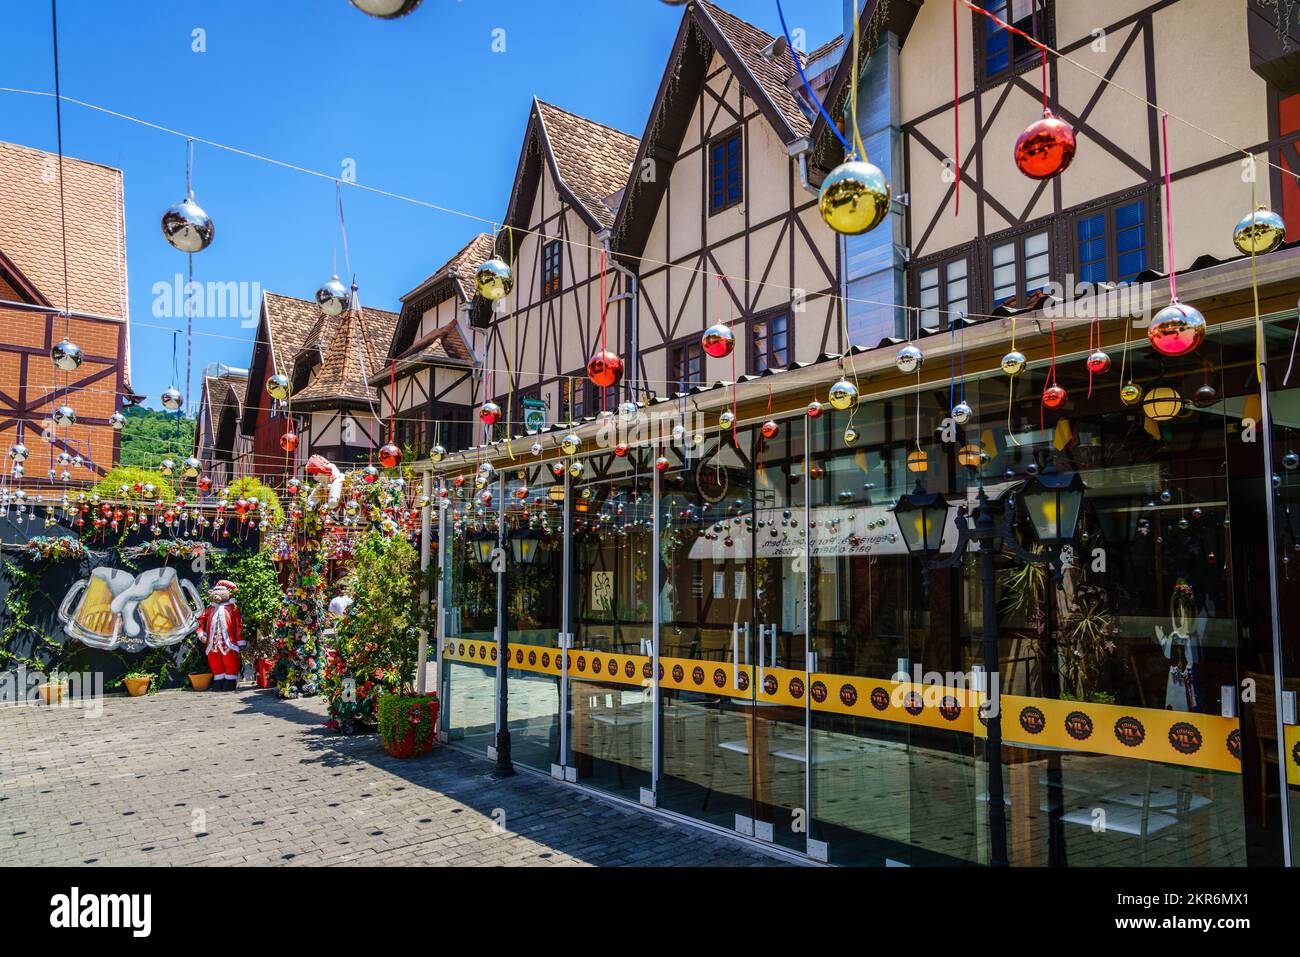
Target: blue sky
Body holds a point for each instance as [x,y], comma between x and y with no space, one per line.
[423,106]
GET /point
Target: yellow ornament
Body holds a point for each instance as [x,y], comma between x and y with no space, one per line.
[854,198]
[843,396]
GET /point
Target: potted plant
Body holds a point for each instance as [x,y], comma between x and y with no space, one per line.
[53,689]
[258,597]
[137,683]
[408,724]
[196,667]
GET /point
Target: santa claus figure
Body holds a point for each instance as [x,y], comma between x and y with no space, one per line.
[221,627]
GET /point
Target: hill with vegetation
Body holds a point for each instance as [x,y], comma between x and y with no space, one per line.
[151,435]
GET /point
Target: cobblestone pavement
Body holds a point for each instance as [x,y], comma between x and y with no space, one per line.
[244,778]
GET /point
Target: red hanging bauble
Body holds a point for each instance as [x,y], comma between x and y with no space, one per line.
[769,429]
[621,450]
[489,413]
[605,369]
[1046,147]
[661,464]
[289,441]
[718,341]
[1176,329]
[390,456]
[1054,396]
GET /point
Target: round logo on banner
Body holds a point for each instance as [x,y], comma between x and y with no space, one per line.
[462,649]
[1078,726]
[519,656]
[532,657]
[913,704]
[818,692]
[770,684]
[647,672]
[582,663]
[1129,731]
[494,652]
[697,675]
[629,669]
[949,709]
[473,651]
[1234,743]
[1185,738]
[595,665]
[742,679]
[1295,754]
[879,698]
[678,673]
[612,668]
[719,677]
[1032,720]
[848,695]
[546,659]
[796,687]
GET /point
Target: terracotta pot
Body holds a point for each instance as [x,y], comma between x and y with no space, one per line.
[136,687]
[201,682]
[53,693]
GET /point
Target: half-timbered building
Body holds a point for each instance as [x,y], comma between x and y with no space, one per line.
[218,441]
[61,282]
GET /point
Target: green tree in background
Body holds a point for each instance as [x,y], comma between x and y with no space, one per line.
[150,435]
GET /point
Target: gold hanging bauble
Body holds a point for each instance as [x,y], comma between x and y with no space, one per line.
[854,198]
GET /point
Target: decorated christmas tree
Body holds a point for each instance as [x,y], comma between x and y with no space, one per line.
[298,629]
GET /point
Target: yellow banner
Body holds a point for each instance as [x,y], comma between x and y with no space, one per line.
[1293,754]
[1150,734]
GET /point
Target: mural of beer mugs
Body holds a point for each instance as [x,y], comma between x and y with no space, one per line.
[157,608]
[94,620]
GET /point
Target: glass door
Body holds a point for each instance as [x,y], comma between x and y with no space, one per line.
[732,663]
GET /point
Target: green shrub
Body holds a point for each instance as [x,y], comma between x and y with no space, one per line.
[249,487]
[110,486]
[399,714]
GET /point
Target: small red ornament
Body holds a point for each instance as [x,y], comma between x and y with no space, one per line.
[390,456]
[205,483]
[1054,396]
[621,450]
[490,413]
[814,409]
[1046,147]
[605,369]
[289,441]
[661,464]
[521,493]
[718,341]
[769,429]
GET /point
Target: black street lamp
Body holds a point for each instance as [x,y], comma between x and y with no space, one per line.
[526,546]
[1054,501]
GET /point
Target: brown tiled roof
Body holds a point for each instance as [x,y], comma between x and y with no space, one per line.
[354,348]
[289,322]
[772,73]
[31,233]
[593,160]
[444,346]
[225,394]
[460,268]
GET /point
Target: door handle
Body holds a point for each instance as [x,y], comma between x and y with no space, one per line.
[762,649]
[772,633]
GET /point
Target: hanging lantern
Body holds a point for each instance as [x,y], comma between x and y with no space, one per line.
[18,452]
[1099,362]
[332,297]
[570,444]
[190,467]
[493,279]
[908,360]
[437,453]
[187,227]
[1013,363]
[1205,396]
[490,413]
[64,416]
[854,198]
[605,369]
[1176,330]
[718,341]
[279,387]
[385,9]
[918,460]
[769,429]
[971,456]
[1130,393]
[961,413]
[850,435]
[1259,232]
[66,356]
[289,441]
[390,456]
[167,467]
[1162,403]
[171,399]
[843,396]
[1046,147]
[1054,396]
[814,409]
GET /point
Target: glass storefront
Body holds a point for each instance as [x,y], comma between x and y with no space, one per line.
[740,636]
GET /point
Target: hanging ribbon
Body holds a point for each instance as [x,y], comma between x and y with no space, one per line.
[1047,383]
[808,90]
[1169,210]
[956,115]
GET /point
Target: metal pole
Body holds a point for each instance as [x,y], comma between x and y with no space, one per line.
[807,628]
[426,530]
[656,615]
[503,767]
[566,616]
[444,601]
[984,532]
[1270,509]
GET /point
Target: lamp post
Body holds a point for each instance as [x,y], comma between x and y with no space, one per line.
[489,550]
[1054,501]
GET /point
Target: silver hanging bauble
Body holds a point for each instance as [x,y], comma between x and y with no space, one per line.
[843,396]
[385,9]
[18,452]
[187,227]
[332,297]
[66,356]
[278,386]
[437,453]
[494,280]
[1013,363]
[1259,232]
[961,413]
[117,420]
[64,416]
[172,400]
[191,467]
[167,467]
[908,360]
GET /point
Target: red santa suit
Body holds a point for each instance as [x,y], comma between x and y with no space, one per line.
[221,626]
